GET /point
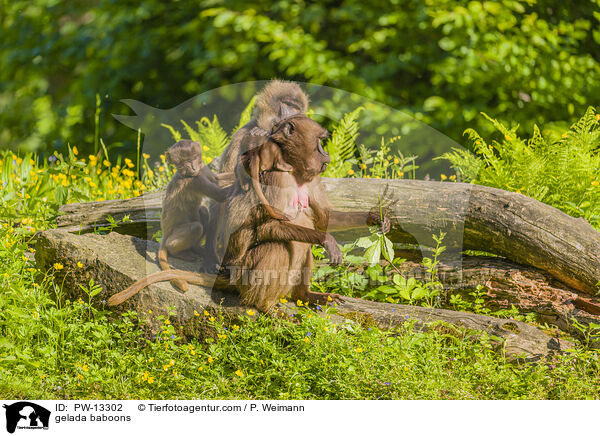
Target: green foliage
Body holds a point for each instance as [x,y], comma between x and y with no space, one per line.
[350,159]
[56,348]
[441,61]
[365,276]
[210,133]
[341,147]
[562,172]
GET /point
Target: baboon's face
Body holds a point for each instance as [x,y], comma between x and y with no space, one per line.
[300,139]
[187,157]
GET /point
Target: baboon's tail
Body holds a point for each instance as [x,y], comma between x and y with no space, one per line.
[161,276]
[164,265]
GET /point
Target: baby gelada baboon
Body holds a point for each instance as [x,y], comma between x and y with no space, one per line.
[183,219]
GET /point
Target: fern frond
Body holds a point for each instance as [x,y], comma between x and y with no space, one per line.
[194,136]
[342,144]
[212,135]
[246,115]
[466,163]
[176,135]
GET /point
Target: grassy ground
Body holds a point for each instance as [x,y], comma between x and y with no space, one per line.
[53,348]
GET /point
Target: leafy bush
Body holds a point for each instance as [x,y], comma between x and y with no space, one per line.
[440,61]
[564,172]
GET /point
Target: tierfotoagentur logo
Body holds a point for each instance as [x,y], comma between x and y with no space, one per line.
[26,415]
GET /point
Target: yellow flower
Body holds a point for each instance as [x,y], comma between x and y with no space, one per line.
[329,298]
[508,138]
[146,155]
[443,176]
[363,166]
[299,303]
[595,183]
[210,359]
[150,173]
[79,265]
[350,172]
[396,160]
[92,158]
[211,319]
[166,367]
[150,311]
[235,326]
[597,117]
[129,163]
[196,313]
[151,380]
[564,135]
[151,359]
[75,151]
[58,266]
[106,163]
[283,300]
[251,312]
[306,339]
[358,350]
[84,367]
[171,362]
[239,373]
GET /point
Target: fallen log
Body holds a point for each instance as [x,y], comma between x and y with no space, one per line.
[473,217]
[116,261]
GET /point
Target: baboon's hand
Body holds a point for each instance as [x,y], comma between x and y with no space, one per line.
[384,224]
[335,254]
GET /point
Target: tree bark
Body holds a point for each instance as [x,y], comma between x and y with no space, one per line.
[473,217]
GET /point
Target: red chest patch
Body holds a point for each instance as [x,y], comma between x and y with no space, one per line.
[300,197]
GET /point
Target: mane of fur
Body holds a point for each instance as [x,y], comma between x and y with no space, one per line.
[267,101]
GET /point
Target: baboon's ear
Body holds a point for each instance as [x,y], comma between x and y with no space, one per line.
[284,131]
[288,128]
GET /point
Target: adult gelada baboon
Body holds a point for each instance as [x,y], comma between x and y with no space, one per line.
[277,100]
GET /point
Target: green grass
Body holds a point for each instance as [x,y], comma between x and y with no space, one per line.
[53,348]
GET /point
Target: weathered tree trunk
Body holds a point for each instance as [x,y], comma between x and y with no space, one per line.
[473,217]
[116,261]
